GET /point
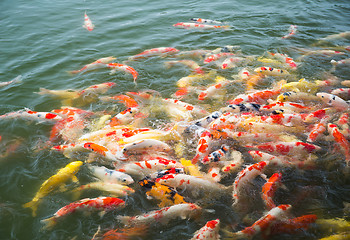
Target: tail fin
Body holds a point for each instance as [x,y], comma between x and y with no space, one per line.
[48,223]
[43,91]
[33,205]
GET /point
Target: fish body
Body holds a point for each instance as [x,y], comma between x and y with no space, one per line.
[146,146]
[270,71]
[87,204]
[18,79]
[124,117]
[163,215]
[319,128]
[51,184]
[101,151]
[291,31]
[341,140]
[161,51]
[217,155]
[59,94]
[217,56]
[30,115]
[269,189]
[333,100]
[190,25]
[109,175]
[343,93]
[122,67]
[99,63]
[210,231]
[259,97]
[213,90]
[292,226]
[189,63]
[88,23]
[203,146]
[202,20]
[96,89]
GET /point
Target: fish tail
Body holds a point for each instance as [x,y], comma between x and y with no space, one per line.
[48,223]
[33,205]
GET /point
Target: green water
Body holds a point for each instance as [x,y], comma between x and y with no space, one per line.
[42,40]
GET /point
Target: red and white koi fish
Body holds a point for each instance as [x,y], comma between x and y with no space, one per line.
[291,31]
[147,167]
[217,155]
[343,123]
[213,90]
[343,93]
[124,117]
[259,97]
[109,175]
[18,79]
[30,115]
[146,146]
[189,25]
[340,139]
[87,23]
[241,107]
[245,176]
[231,62]
[87,204]
[269,189]
[124,68]
[189,63]
[291,226]
[99,63]
[317,131]
[244,74]
[269,71]
[164,215]
[202,20]
[203,146]
[210,231]
[264,223]
[285,58]
[333,100]
[286,119]
[97,89]
[287,148]
[161,51]
[286,107]
[318,114]
[68,129]
[215,57]
[186,106]
[214,174]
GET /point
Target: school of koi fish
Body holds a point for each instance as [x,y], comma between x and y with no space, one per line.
[230,135]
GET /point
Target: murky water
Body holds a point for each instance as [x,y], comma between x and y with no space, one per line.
[42,40]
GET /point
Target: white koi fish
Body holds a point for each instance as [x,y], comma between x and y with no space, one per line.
[87,23]
[145,146]
[210,231]
[333,100]
[161,51]
[109,175]
[30,115]
[18,79]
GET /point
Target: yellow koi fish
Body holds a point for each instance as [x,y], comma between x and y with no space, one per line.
[63,175]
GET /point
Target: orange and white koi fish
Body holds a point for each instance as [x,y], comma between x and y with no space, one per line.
[341,140]
[87,23]
[124,68]
[269,189]
[333,100]
[51,184]
[189,25]
[203,146]
[101,151]
[245,176]
[17,79]
[125,117]
[99,63]
[109,175]
[286,119]
[264,223]
[286,107]
[202,20]
[210,231]
[319,114]
[167,195]
[213,90]
[214,174]
[231,62]
[30,115]
[164,215]
[244,74]
[97,89]
[285,58]
[217,155]
[270,71]
[259,97]
[215,57]
[125,99]
[291,31]
[161,51]
[145,146]
[291,226]
[343,93]
[319,128]
[189,63]
[147,167]
[103,204]
[186,106]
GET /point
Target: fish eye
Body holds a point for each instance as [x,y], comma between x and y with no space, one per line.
[124,180]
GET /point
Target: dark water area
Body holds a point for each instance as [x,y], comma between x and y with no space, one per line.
[42,40]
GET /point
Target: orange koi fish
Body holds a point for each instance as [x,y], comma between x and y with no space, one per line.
[294,225]
[87,204]
[87,23]
[269,189]
[340,139]
[188,25]
[210,231]
[124,68]
[317,131]
[125,233]
[99,63]
[258,97]
[125,99]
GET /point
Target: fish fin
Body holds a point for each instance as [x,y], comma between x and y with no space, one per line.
[33,205]
[75,179]
[124,219]
[102,213]
[48,223]
[63,188]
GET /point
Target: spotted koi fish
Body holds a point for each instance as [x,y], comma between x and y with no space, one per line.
[202,20]
[109,175]
[269,71]
[213,90]
[210,231]
[341,140]
[258,97]
[203,146]
[87,23]
[269,189]
[161,51]
[168,196]
[99,63]
[216,155]
[189,25]
[122,67]
[146,146]
[87,204]
[164,215]
[245,176]
[333,100]
[216,57]
[30,115]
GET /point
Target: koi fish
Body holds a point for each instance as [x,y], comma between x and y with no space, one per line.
[145,146]
[161,51]
[125,99]
[87,23]
[210,231]
[99,63]
[124,68]
[258,97]
[164,215]
[245,176]
[340,139]
[125,233]
[30,115]
[203,146]
[96,89]
[213,90]
[291,31]
[269,71]
[343,93]
[318,129]
[189,25]
[254,80]
[51,184]
[17,79]
[231,62]
[108,175]
[59,94]
[285,58]
[168,196]
[301,86]
[303,97]
[101,151]
[294,225]
[241,107]
[125,117]
[189,63]
[336,36]
[103,204]
[286,107]
[215,57]
[204,122]
[333,100]
[202,20]
[217,155]
[269,189]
